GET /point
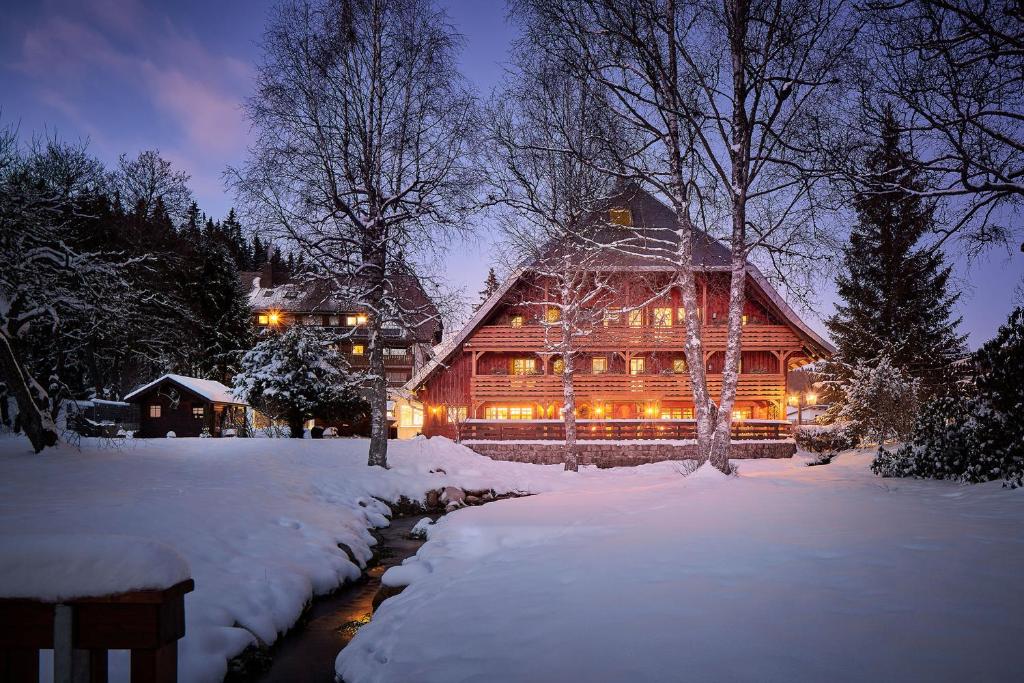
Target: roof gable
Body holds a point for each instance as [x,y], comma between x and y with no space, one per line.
[208,389]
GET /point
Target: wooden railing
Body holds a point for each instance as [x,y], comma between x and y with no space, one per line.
[80,632]
[606,386]
[618,338]
[554,430]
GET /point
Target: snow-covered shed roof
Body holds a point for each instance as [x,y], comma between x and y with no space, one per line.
[646,245]
[209,389]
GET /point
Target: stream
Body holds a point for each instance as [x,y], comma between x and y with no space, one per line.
[307,653]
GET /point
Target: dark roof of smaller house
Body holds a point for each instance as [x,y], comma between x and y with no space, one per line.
[321,296]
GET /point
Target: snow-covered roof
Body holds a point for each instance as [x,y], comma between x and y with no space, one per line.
[209,389]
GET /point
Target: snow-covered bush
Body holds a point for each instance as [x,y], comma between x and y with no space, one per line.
[827,440]
[297,375]
[881,402]
[976,434]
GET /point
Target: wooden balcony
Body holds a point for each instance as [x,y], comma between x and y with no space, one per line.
[536,337]
[618,430]
[610,387]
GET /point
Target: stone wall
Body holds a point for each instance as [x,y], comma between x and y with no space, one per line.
[623,454]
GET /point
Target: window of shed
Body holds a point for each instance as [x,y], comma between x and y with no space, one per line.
[197,412]
[154,411]
[358,349]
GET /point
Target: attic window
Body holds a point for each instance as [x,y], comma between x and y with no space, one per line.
[292,294]
[620,216]
[267,292]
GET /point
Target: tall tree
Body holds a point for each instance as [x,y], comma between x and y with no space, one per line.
[363,125]
[894,287]
[727,96]
[490,287]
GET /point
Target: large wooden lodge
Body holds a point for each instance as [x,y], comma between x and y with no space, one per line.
[497,379]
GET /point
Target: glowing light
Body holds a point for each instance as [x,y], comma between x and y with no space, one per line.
[793,399]
[361,319]
[274,317]
[812,399]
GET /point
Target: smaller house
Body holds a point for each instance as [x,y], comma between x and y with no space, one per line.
[187,406]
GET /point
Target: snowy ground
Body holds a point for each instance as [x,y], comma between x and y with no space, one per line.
[257,521]
[785,573]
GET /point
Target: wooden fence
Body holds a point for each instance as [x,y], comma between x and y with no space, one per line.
[554,430]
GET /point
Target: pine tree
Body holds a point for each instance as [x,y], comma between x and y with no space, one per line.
[895,293]
[490,287]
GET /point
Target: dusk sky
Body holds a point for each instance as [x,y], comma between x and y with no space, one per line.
[130,75]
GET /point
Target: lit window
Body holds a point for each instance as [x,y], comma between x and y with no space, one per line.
[679,365]
[553,314]
[358,349]
[520,413]
[636,318]
[741,414]
[361,319]
[154,411]
[611,319]
[496,413]
[620,216]
[663,317]
[456,414]
[681,315]
[559,366]
[264,320]
[516,321]
[524,366]
[350,320]
[598,365]
[636,366]
[417,417]
[394,351]
[744,319]
[197,412]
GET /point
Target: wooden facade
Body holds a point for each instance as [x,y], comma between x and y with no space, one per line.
[501,369]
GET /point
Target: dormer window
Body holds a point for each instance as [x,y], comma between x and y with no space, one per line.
[620,216]
[291,294]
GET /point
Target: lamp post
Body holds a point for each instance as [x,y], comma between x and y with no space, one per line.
[801,401]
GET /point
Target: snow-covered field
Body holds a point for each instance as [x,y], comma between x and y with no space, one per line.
[257,520]
[785,573]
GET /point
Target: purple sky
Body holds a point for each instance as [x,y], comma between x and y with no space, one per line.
[130,75]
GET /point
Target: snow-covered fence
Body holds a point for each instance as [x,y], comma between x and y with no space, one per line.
[60,595]
[616,430]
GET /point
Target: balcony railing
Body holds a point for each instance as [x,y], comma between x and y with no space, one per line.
[554,430]
[606,386]
[536,337]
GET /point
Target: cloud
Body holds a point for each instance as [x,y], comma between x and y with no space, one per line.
[117,60]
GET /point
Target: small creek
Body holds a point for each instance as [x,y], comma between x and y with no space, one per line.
[307,653]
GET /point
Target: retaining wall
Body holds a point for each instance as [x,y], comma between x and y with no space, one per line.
[622,454]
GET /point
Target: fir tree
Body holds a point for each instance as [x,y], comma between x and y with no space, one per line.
[491,285]
[895,293]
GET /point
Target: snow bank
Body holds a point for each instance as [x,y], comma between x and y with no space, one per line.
[783,573]
[62,567]
[258,521]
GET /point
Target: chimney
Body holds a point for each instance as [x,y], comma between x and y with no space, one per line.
[267,274]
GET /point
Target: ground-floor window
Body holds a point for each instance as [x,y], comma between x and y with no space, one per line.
[197,412]
[508,412]
[742,413]
[677,413]
[410,416]
[154,411]
[456,414]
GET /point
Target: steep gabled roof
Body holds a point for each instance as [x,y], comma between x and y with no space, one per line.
[646,245]
[209,389]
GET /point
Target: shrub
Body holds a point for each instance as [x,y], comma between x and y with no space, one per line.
[827,440]
[881,400]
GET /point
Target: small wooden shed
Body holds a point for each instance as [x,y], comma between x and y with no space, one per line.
[186,406]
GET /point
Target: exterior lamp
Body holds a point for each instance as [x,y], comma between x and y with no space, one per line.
[793,399]
[801,401]
[812,399]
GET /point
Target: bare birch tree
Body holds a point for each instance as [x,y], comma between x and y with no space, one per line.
[548,135]
[362,127]
[725,93]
